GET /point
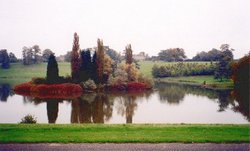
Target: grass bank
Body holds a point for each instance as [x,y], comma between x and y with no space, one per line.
[123,133]
[210,82]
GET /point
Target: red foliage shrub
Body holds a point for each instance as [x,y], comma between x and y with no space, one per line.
[120,87]
[136,86]
[24,87]
[67,90]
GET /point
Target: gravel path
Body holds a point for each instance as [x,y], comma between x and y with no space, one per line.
[124,147]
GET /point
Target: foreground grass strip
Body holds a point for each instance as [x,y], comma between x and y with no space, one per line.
[122,133]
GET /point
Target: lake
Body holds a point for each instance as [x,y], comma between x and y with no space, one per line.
[167,103]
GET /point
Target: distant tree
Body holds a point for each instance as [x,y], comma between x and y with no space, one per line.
[45,55]
[128,54]
[212,55]
[26,58]
[31,55]
[52,70]
[172,54]
[4,59]
[67,56]
[223,69]
[116,57]
[12,57]
[100,60]
[36,53]
[75,63]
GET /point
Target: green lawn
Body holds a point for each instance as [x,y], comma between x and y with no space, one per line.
[19,73]
[199,80]
[123,133]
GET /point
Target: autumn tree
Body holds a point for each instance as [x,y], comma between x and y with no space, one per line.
[75,64]
[128,54]
[52,70]
[100,60]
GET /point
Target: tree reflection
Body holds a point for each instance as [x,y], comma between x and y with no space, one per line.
[5,92]
[174,94]
[225,99]
[128,104]
[91,108]
[171,93]
[241,95]
[52,110]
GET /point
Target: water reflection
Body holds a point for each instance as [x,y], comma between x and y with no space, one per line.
[100,107]
[238,98]
[5,92]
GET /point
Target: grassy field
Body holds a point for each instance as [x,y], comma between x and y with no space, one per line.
[199,80]
[136,133]
[19,73]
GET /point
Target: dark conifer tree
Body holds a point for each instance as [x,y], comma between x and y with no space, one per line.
[52,70]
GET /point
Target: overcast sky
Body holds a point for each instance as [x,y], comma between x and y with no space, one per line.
[149,25]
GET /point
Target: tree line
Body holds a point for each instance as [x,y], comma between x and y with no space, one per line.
[34,55]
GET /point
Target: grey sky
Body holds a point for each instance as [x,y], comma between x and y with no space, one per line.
[149,25]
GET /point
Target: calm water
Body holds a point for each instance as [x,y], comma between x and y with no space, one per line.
[169,103]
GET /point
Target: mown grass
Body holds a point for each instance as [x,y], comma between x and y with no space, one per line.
[123,133]
[19,73]
[199,80]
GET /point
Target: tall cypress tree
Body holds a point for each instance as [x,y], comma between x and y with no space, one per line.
[75,62]
[52,70]
[100,60]
[129,54]
[94,69]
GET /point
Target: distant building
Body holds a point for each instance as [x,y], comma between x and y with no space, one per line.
[141,56]
[60,58]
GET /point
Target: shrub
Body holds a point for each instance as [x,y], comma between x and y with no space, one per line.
[147,81]
[38,80]
[24,87]
[136,86]
[29,119]
[89,85]
[182,69]
[118,87]
[45,89]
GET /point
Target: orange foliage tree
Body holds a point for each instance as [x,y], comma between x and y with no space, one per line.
[100,60]
[75,63]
